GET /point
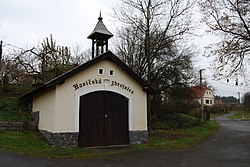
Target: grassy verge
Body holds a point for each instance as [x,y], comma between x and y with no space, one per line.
[180,138]
[33,144]
[214,115]
[240,115]
[170,121]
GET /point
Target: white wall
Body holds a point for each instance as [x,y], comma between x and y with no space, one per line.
[45,104]
[208,98]
[65,105]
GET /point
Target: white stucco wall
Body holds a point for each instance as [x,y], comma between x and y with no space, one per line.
[208,95]
[62,107]
[45,104]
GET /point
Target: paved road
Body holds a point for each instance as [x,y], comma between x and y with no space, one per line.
[230,146]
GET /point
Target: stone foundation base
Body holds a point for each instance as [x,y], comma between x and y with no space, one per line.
[138,137]
[65,140]
[70,140]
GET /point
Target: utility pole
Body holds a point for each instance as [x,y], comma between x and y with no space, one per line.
[1,51]
[239,96]
[201,93]
[1,54]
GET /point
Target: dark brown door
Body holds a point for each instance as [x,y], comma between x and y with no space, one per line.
[103,119]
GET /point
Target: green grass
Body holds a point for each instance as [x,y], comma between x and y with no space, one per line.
[180,138]
[214,115]
[31,143]
[10,110]
[14,90]
[170,121]
[240,115]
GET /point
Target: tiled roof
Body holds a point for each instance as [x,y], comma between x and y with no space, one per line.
[199,91]
[101,31]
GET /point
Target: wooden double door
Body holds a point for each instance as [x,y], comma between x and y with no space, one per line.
[103,119]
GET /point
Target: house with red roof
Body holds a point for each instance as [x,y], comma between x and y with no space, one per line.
[204,93]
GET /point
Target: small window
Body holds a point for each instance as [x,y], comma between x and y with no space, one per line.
[100,71]
[207,101]
[111,72]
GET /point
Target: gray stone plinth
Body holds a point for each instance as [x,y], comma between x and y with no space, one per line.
[70,140]
[65,140]
[35,116]
[138,137]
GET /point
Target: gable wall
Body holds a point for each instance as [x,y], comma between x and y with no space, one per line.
[208,95]
[66,118]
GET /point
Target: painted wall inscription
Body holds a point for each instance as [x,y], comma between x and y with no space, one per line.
[87,83]
[91,82]
[122,86]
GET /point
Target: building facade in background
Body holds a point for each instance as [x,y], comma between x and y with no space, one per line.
[203,93]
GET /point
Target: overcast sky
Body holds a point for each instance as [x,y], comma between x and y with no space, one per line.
[28,22]
[25,23]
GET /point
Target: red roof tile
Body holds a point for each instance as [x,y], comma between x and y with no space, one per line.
[197,91]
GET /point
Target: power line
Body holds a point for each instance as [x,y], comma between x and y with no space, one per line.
[14,46]
[6,47]
[227,84]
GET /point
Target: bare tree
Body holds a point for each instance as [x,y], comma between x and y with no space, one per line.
[150,39]
[152,23]
[43,62]
[11,71]
[49,60]
[229,19]
[54,59]
[129,46]
[79,55]
[27,60]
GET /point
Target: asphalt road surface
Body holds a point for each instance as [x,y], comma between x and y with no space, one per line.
[229,147]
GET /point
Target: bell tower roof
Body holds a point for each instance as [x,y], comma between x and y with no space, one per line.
[100,32]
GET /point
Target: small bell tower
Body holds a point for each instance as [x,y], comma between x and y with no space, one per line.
[100,37]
